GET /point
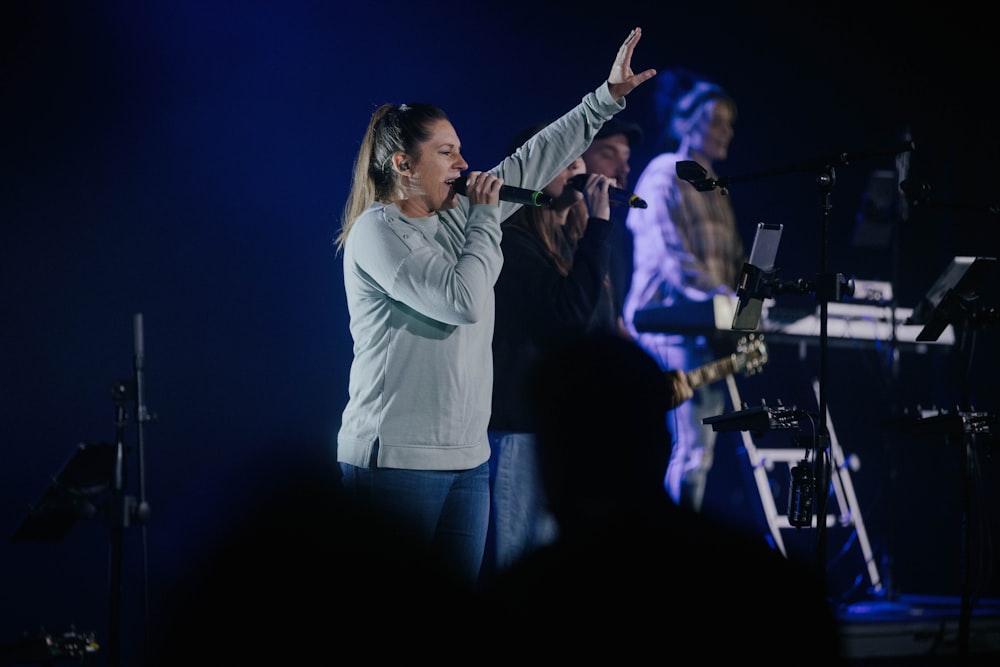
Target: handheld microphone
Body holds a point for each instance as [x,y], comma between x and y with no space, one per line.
[580,182]
[511,193]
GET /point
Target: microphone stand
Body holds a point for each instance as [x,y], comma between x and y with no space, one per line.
[893,363]
[695,174]
[967,338]
[827,287]
[121,392]
[918,194]
[821,463]
[141,509]
[125,509]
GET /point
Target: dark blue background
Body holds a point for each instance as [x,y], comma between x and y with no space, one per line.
[188,160]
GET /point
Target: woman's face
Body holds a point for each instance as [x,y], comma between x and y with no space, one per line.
[428,175]
[711,135]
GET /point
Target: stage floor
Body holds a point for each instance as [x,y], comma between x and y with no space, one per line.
[921,630]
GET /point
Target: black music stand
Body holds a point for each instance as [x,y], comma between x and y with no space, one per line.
[93,483]
[950,297]
[75,493]
[952,300]
[80,490]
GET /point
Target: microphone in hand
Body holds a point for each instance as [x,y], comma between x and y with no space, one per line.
[511,193]
[616,194]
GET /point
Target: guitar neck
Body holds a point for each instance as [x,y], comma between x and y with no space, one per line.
[713,371]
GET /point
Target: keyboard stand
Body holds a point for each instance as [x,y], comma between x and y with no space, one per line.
[762,462]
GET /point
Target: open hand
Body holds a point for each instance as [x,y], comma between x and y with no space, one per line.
[622,79]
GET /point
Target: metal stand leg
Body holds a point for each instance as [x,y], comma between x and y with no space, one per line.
[843,488]
[759,469]
[762,462]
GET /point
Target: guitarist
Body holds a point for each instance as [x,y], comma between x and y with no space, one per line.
[687,247]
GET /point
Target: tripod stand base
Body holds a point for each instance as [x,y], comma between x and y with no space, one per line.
[46,648]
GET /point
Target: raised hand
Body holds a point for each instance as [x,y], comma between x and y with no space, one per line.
[622,79]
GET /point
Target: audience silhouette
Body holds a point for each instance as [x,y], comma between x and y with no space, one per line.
[304,571]
[608,586]
[305,564]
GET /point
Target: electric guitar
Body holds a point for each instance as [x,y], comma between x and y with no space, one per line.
[750,356]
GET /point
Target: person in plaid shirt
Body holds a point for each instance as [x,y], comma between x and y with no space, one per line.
[687,248]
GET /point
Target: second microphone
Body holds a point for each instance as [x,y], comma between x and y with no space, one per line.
[617,195]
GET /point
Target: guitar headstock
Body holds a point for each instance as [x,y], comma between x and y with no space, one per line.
[752,352]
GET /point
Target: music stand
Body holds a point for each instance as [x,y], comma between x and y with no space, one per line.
[71,495]
[949,301]
[957,285]
[96,469]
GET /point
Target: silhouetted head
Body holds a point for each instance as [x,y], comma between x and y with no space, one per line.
[603,442]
